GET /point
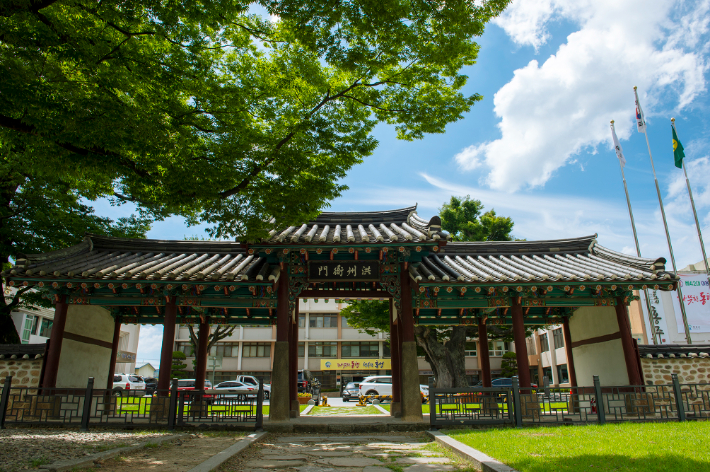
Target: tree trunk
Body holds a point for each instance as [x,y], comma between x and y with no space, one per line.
[448,359]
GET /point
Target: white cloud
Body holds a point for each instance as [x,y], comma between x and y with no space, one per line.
[150,343]
[549,112]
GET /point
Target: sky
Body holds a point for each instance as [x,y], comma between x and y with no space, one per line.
[538,147]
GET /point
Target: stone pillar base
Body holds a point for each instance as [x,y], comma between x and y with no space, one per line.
[639,403]
[295,409]
[159,408]
[411,404]
[279,402]
[396,409]
[529,406]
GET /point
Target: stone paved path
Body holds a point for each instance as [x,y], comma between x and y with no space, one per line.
[344,453]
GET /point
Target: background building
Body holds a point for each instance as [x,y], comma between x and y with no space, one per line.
[324,335]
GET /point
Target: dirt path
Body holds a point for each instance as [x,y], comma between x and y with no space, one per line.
[177,455]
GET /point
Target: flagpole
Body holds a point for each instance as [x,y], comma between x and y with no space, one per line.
[695,213]
[668,238]
[638,249]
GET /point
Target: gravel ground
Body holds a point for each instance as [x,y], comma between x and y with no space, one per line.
[22,449]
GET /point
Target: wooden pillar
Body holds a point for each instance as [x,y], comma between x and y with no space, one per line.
[203,338]
[521,351]
[55,342]
[394,355]
[280,398]
[568,350]
[282,314]
[411,404]
[166,352]
[293,358]
[484,358]
[114,352]
[627,343]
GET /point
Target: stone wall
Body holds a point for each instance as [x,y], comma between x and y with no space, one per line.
[690,370]
[25,372]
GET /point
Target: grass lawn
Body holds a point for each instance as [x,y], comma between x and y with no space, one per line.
[141,406]
[659,447]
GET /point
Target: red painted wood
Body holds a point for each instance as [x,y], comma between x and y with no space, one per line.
[166,352]
[483,356]
[55,344]
[521,351]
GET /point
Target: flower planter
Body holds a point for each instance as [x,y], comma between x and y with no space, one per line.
[303,400]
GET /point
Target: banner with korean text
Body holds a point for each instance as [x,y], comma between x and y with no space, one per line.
[356,364]
[696,295]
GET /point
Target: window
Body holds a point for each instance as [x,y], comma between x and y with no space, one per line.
[547,373]
[562,374]
[360,349]
[558,338]
[470,348]
[45,328]
[544,342]
[29,328]
[498,348]
[344,322]
[323,321]
[225,350]
[185,348]
[530,345]
[301,321]
[256,350]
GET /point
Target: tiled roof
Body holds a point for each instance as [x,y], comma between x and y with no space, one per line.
[573,260]
[394,226]
[106,258]
[674,350]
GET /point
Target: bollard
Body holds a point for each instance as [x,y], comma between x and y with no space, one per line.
[678,397]
[601,415]
[259,402]
[517,408]
[173,405]
[5,400]
[88,396]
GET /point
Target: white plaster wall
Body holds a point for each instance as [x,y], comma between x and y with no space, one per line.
[255,364]
[351,334]
[323,334]
[604,359]
[79,361]
[254,334]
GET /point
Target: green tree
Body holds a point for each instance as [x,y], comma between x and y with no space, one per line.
[462,218]
[509,365]
[178,365]
[41,212]
[223,111]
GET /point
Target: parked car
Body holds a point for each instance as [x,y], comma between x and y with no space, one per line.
[126,384]
[188,385]
[234,389]
[151,385]
[254,382]
[351,391]
[382,385]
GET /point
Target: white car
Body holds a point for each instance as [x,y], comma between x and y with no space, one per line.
[382,385]
[125,384]
[233,389]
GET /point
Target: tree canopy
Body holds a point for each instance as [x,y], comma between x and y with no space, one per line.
[462,218]
[223,111]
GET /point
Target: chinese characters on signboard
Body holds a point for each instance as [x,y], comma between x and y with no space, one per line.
[356,364]
[123,357]
[350,271]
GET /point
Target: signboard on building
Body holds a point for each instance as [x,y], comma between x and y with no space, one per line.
[123,357]
[659,328]
[355,364]
[696,295]
[348,271]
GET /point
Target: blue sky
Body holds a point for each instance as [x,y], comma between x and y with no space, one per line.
[538,148]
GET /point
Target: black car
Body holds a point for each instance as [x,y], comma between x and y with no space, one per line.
[151,385]
[351,391]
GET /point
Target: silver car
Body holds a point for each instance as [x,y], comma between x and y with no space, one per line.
[233,389]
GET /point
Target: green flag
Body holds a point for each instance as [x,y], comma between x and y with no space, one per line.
[678,153]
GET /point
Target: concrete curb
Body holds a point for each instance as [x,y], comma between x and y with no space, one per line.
[221,457]
[381,409]
[88,461]
[307,410]
[480,460]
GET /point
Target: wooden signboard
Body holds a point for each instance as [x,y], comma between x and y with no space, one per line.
[343,271]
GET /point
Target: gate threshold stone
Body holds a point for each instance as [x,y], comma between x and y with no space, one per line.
[480,460]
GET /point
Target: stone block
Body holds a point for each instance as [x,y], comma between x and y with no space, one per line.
[159,409]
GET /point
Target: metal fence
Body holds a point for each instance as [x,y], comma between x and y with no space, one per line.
[90,406]
[596,404]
